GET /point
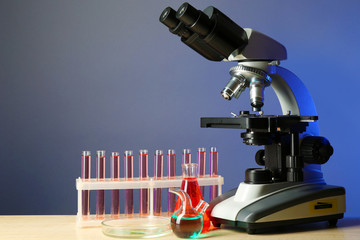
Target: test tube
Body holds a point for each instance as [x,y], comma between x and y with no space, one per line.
[115,176]
[100,176]
[158,174]
[85,176]
[213,171]
[128,176]
[171,167]
[201,159]
[143,175]
[186,156]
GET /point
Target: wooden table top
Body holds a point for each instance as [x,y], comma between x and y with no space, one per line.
[64,227]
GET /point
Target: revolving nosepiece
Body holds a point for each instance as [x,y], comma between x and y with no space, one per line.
[245,76]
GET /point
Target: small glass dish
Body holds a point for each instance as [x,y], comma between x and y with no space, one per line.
[136,227]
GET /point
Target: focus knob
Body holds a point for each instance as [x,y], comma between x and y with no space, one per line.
[316,150]
[260,157]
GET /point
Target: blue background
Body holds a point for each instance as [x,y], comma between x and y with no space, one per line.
[89,75]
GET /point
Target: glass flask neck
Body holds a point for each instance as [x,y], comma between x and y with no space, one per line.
[190,170]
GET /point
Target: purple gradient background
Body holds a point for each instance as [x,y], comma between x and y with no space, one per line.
[89,75]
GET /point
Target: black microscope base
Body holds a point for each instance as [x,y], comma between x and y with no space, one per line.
[253,228]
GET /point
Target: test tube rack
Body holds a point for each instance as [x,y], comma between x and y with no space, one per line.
[135,183]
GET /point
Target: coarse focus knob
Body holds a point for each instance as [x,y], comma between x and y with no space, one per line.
[316,150]
[260,157]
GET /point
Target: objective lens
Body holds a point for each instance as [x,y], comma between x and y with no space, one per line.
[257,87]
[234,87]
[226,95]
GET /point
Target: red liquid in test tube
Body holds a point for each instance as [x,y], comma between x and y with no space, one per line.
[158,174]
[100,176]
[201,159]
[85,176]
[171,164]
[213,171]
[143,175]
[115,176]
[129,197]
[186,156]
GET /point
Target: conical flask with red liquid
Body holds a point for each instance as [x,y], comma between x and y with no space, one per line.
[190,185]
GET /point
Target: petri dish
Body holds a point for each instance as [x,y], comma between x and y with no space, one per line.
[136,227]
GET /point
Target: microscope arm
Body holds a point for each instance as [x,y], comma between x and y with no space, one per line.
[293,96]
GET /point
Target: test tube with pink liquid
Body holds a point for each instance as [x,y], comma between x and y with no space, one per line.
[100,176]
[186,156]
[143,175]
[213,171]
[115,176]
[158,174]
[128,176]
[171,174]
[201,159]
[85,176]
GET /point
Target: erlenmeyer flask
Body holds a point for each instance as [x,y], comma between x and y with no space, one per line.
[186,222]
[190,185]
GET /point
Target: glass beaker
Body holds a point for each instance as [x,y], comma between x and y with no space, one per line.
[187,222]
[190,185]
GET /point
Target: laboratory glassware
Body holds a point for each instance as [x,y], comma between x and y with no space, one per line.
[128,176]
[187,222]
[143,175]
[186,156]
[85,176]
[190,185]
[201,159]
[213,193]
[115,176]
[100,176]
[171,167]
[158,174]
[137,227]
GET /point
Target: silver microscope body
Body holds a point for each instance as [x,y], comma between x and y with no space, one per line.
[290,189]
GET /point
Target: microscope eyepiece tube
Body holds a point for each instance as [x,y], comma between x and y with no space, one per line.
[188,37]
[194,19]
[168,18]
[187,14]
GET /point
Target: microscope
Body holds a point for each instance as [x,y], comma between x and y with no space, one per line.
[289,188]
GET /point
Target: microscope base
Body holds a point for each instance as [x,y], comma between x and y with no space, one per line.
[253,228]
[287,204]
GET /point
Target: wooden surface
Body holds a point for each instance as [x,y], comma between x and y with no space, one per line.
[63,227]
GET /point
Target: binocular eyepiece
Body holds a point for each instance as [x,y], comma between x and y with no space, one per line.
[210,32]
